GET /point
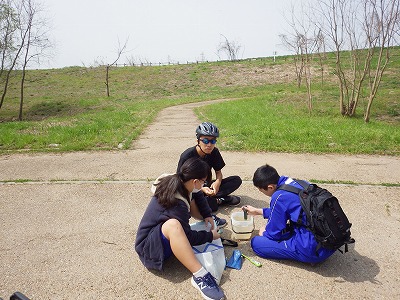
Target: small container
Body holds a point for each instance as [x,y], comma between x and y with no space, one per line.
[241,229]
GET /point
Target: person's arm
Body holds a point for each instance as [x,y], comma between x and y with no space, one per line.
[217,163]
[266,211]
[203,208]
[181,213]
[180,163]
[276,224]
[251,210]
[217,183]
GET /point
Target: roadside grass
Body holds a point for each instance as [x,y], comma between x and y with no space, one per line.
[67,109]
[343,182]
[112,126]
[268,123]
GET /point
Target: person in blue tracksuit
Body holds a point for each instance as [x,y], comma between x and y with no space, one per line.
[282,238]
[165,231]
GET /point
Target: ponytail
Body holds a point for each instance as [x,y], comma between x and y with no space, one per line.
[169,186]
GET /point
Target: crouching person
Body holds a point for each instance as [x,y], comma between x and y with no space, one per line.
[282,237]
[165,231]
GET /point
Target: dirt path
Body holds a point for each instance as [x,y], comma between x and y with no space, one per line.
[68,231]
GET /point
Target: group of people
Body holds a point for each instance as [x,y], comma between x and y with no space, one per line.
[193,192]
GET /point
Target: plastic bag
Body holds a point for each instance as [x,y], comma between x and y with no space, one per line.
[210,255]
[235,261]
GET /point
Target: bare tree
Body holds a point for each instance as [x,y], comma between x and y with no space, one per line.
[361,34]
[120,51]
[8,25]
[131,60]
[367,29]
[21,31]
[383,19]
[11,51]
[230,48]
[320,48]
[36,40]
[302,42]
[292,43]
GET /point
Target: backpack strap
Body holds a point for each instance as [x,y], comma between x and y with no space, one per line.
[290,188]
[304,184]
[295,190]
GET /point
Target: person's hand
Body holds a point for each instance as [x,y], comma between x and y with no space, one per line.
[210,221]
[215,186]
[208,191]
[215,233]
[251,210]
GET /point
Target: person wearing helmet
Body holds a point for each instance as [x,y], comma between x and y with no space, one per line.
[217,191]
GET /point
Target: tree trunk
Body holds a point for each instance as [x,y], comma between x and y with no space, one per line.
[5,87]
[21,101]
[107,85]
[368,110]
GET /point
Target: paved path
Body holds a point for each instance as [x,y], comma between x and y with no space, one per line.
[67,232]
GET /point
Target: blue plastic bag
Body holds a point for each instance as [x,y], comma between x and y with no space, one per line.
[235,261]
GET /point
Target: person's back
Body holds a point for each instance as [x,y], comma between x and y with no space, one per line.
[282,237]
[164,230]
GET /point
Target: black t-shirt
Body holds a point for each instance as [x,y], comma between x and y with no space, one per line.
[214,160]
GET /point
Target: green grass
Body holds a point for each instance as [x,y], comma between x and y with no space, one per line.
[67,109]
[266,124]
[354,183]
[106,127]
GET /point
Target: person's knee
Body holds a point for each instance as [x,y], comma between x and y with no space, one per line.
[171,227]
[237,181]
[265,247]
[257,243]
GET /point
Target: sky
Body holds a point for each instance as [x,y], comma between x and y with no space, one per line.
[88,31]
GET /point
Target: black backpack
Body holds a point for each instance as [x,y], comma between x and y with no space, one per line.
[325,218]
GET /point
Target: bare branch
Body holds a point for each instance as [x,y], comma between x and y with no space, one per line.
[121,50]
[230,48]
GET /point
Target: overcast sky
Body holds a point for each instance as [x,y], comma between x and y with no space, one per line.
[85,31]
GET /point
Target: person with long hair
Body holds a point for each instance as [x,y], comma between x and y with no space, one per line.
[165,230]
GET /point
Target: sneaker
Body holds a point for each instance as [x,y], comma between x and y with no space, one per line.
[221,223]
[208,287]
[229,200]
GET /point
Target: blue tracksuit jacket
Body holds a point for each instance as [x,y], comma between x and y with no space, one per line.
[277,241]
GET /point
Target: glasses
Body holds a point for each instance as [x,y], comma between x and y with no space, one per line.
[206,141]
[203,181]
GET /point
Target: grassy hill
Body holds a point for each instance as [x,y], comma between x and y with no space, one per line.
[68,110]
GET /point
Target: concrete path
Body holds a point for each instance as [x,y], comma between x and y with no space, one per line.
[68,223]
